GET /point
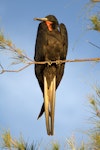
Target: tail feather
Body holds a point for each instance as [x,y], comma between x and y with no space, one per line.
[41,111]
[49,104]
[52,99]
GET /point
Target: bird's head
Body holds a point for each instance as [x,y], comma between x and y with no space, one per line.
[50,20]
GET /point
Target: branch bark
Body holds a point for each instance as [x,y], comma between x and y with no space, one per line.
[49,63]
[21,57]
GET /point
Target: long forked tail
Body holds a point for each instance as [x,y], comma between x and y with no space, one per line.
[49,104]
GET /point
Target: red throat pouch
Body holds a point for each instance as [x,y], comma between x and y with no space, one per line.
[49,25]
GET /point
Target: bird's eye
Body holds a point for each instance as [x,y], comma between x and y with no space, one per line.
[53,25]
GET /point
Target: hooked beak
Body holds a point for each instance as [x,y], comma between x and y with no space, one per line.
[48,23]
[41,19]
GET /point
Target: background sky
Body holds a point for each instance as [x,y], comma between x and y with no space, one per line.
[20,95]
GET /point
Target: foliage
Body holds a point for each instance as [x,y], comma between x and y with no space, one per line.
[55,146]
[72,145]
[92,14]
[17,54]
[96,22]
[95,1]
[93,134]
[95,19]
[6,44]
[10,143]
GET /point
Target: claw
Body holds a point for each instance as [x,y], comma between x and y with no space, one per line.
[49,63]
[58,62]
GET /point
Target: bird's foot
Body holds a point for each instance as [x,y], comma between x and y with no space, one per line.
[49,63]
[58,62]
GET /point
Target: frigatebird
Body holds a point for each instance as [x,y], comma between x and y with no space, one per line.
[51,45]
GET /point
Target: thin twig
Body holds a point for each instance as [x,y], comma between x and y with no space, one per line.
[14,143]
[67,61]
[5,70]
[94,44]
[11,47]
[49,63]
[8,45]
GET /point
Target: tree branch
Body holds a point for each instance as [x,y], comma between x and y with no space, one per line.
[21,57]
[49,63]
[5,70]
[66,61]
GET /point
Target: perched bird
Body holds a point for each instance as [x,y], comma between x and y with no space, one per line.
[51,45]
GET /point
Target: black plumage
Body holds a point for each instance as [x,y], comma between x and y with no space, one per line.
[51,45]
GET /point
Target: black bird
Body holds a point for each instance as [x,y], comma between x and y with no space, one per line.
[51,45]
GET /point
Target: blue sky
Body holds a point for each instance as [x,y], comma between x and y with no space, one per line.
[20,95]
